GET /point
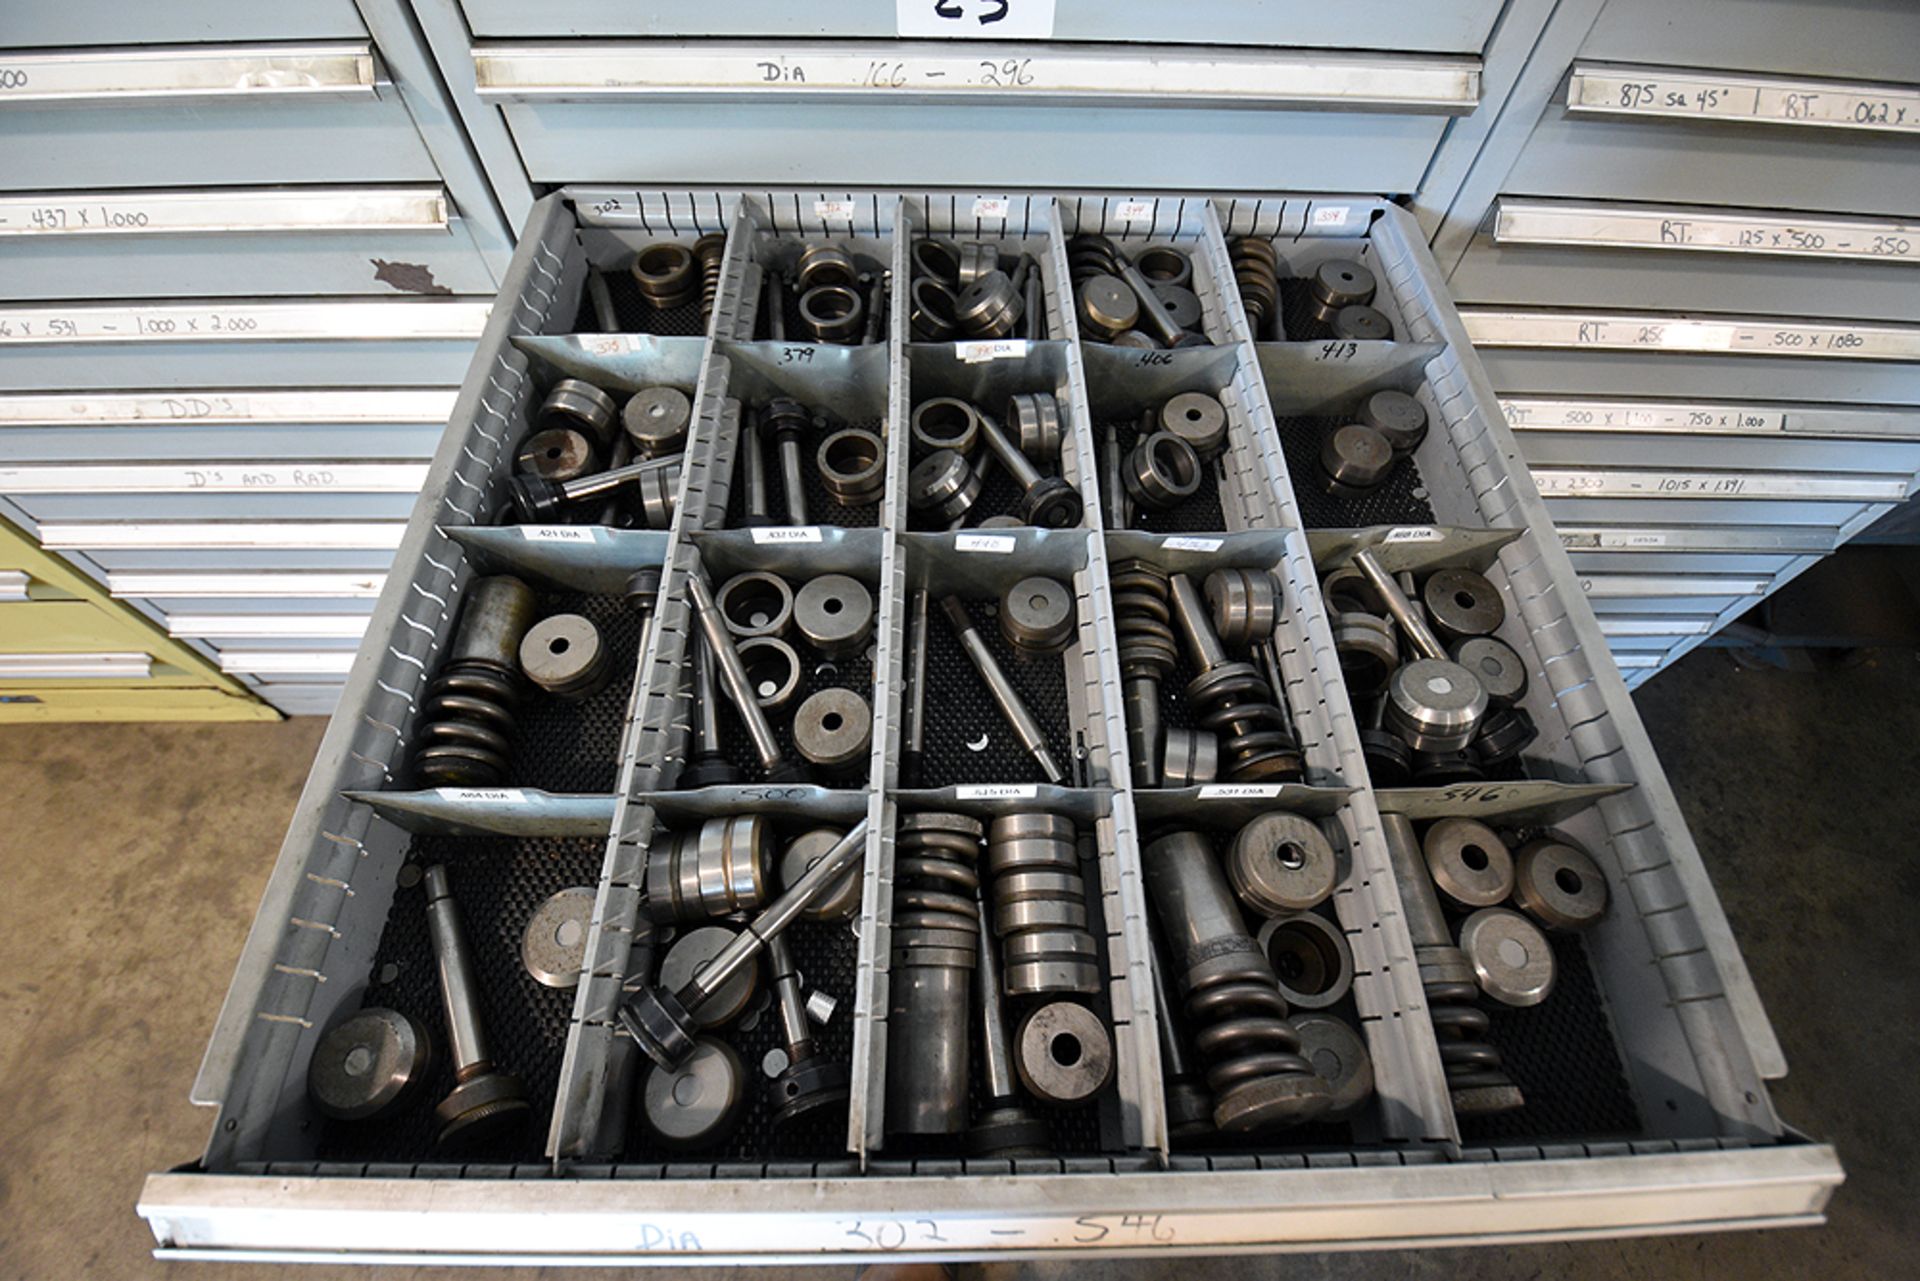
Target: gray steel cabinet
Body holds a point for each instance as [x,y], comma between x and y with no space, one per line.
[244,254]
[1687,254]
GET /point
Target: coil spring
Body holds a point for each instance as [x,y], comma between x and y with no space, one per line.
[1256,271]
[469,717]
[1235,702]
[786,415]
[936,871]
[1242,1029]
[1091,255]
[709,249]
[1143,620]
[1468,1058]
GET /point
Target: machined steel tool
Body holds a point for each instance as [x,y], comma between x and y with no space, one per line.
[733,676]
[1005,696]
[486,1105]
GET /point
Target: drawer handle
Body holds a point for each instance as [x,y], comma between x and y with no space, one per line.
[348,321]
[1667,332]
[321,69]
[215,211]
[298,585]
[69,667]
[214,477]
[208,405]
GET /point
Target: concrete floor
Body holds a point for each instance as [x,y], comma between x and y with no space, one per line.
[134,856]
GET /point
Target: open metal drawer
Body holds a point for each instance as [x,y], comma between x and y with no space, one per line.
[1693,1143]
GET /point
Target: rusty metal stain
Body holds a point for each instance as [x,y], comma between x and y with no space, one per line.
[407,277]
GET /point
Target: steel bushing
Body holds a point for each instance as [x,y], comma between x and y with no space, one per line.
[565,656]
[853,466]
[943,483]
[1106,306]
[556,454]
[1281,863]
[773,670]
[1398,417]
[932,310]
[834,614]
[1161,471]
[1434,705]
[1362,324]
[945,422]
[833,313]
[1192,757]
[1198,419]
[699,1104]
[1027,886]
[1182,304]
[1164,265]
[1366,650]
[1337,283]
[1389,760]
[1339,1058]
[656,421]
[1511,958]
[935,951]
[1468,861]
[1037,616]
[667,275]
[1461,603]
[1500,671]
[1137,341]
[1348,591]
[756,603]
[990,307]
[1035,419]
[839,901]
[825,265]
[689,955]
[580,405]
[1245,605]
[1559,884]
[1353,459]
[833,728]
[975,261]
[1041,962]
[719,868]
[1032,842]
[1064,1053]
[369,1064]
[1310,957]
[659,492]
[1046,912]
[935,259]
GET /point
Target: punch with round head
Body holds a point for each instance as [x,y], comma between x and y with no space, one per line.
[485,1104]
[1018,718]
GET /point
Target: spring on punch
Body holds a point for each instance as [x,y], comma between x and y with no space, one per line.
[468,717]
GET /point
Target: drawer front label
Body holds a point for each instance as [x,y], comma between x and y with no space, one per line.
[1656,91]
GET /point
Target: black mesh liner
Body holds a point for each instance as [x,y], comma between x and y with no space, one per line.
[962,710]
[1394,502]
[1329,1134]
[1090,1127]
[822,507]
[497,882]
[1202,513]
[816,674]
[575,747]
[637,315]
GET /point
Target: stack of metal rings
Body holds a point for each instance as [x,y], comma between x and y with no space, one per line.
[1037,616]
[1244,605]
[719,868]
[565,656]
[1336,284]
[1256,270]
[936,939]
[577,405]
[831,305]
[667,275]
[1035,420]
[1040,906]
[853,466]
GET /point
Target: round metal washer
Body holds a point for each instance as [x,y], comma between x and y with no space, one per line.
[773,670]
[931,308]
[1461,603]
[1469,862]
[944,483]
[698,1104]
[1500,671]
[367,1064]
[1036,615]
[840,900]
[1035,420]
[575,403]
[694,949]
[1107,306]
[1511,957]
[553,946]
[833,313]
[1064,1053]
[853,466]
[1281,862]
[834,614]
[1339,1057]
[1161,472]
[1434,705]
[1398,417]
[825,265]
[1362,324]
[565,655]
[655,420]
[1559,884]
[1182,304]
[1353,459]
[833,728]
[1310,957]
[1341,282]
[1198,419]
[935,258]
[557,454]
[756,604]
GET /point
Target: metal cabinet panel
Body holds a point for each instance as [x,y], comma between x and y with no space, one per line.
[115,560]
[1679,376]
[80,22]
[215,443]
[1865,39]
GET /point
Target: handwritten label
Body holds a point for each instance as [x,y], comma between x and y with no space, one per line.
[975,19]
[482,795]
[833,210]
[1575,415]
[991,207]
[615,344]
[1181,543]
[1413,534]
[1336,352]
[227,478]
[1659,227]
[556,533]
[974,353]
[998,544]
[1330,216]
[1555,482]
[1488,327]
[997,792]
[1661,92]
[787,534]
[1239,791]
[1134,211]
[241,322]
